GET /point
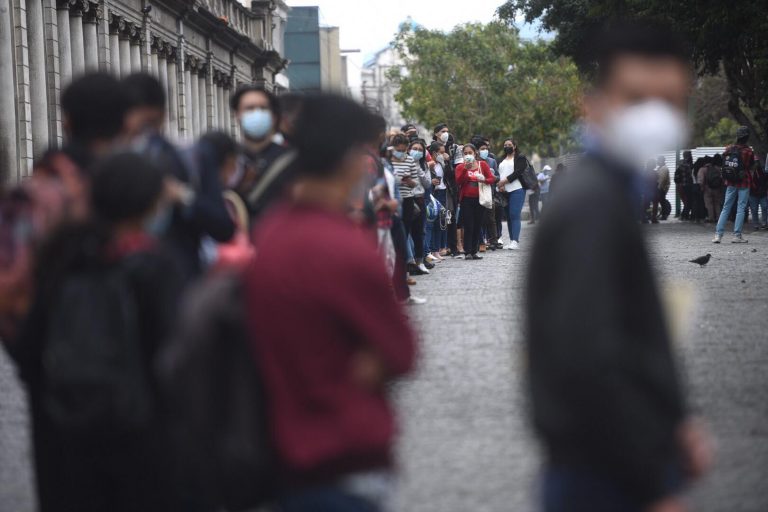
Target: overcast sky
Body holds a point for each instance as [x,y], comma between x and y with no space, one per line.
[369,25]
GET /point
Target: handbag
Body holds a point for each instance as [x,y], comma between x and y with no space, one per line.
[528,177]
[486,195]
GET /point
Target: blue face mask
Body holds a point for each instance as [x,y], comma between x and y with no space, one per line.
[400,155]
[483,154]
[256,124]
[158,224]
[417,155]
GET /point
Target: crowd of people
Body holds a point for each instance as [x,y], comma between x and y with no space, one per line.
[216,326]
[131,261]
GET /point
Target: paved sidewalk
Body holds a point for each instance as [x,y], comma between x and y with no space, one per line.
[465,443]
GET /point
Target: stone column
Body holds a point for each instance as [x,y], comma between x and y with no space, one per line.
[220,110]
[8,154]
[53,72]
[211,105]
[37,76]
[76,35]
[162,74]
[173,90]
[125,49]
[185,95]
[65,43]
[154,62]
[90,38]
[136,50]
[114,44]
[203,98]
[194,100]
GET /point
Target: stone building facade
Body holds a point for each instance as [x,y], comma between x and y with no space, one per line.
[199,49]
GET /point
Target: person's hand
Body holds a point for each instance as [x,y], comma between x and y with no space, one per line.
[480,177]
[436,182]
[431,164]
[410,182]
[502,182]
[177,192]
[673,504]
[368,370]
[696,447]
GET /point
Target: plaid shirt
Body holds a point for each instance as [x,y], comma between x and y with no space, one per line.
[747,158]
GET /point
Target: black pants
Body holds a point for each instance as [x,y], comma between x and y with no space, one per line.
[489,223]
[472,219]
[414,224]
[400,277]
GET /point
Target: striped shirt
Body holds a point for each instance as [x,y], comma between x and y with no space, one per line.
[405,169]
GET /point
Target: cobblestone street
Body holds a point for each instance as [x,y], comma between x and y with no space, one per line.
[466,445]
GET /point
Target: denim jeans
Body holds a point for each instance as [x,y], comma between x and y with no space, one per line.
[324,499]
[731,195]
[754,204]
[571,489]
[514,210]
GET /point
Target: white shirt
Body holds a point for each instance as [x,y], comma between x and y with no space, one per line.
[506,168]
[440,174]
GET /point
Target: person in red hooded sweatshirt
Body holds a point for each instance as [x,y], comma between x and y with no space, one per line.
[469,176]
[328,332]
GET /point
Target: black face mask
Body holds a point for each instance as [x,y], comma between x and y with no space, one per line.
[508,150]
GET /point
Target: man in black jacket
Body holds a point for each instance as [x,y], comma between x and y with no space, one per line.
[607,402]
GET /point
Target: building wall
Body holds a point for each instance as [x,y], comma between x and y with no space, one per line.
[378,90]
[302,49]
[199,49]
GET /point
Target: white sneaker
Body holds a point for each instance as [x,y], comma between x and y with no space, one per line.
[513,246]
[737,239]
[430,258]
[717,239]
[423,268]
[500,240]
[415,301]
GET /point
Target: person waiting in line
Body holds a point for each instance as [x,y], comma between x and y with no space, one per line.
[737,159]
[713,187]
[340,304]
[607,400]
[490,235]
[469,176]
[684,184]
[265,170]
[408,172]
[422,193]
[662,185]
[439,239]
[544,178]
[510,170]
[758,196]
[452,156]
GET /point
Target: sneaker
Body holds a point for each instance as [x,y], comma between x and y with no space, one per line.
[423,268]
[738,239]
[430,258]
[415,301]
[415,270]
[717,239]
[476,257]
[428,265]
[513,246]
[438,256]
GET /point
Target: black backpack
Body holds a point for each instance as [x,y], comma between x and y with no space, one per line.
[733,166]
[217,400]
[94,372]
[714,177]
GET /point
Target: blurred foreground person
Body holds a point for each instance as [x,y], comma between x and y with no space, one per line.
[327,331]
[105,299]
[198,208]
[607,401]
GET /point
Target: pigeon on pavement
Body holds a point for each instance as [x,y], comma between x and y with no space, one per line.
[702,260]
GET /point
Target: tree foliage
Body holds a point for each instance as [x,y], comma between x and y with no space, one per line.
[724,36]
[482,79]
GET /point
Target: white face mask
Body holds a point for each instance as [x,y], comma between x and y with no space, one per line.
[445,136]
[637,133]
